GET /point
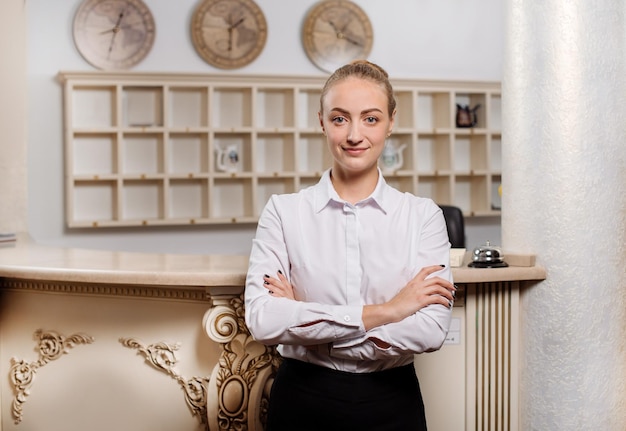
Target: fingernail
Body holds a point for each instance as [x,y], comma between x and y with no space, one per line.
[456,287]
[279,271]
[266,276]
[443,266]
[449,304]
[454,294]
[266,282]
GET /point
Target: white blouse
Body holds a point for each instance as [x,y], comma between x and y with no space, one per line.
[339,257]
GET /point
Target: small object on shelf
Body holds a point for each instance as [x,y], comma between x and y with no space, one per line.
[227,158]
[391,159]
[466,116]
[487,256]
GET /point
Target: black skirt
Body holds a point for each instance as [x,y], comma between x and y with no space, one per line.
[306,397]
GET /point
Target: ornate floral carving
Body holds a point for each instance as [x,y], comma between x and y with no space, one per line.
[162,356]
[51,345]
[241,380]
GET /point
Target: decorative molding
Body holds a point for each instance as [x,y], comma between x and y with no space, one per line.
[162,356]
[81,288]
[52,346]
[241,380]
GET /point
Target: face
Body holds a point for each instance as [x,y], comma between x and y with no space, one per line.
[356,122]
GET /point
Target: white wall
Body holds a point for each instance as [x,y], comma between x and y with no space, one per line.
[456,39]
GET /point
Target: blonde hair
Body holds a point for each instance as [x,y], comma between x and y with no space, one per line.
[361,69]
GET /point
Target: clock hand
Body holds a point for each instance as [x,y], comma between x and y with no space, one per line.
[237,23]
[115,31]
[342,35]
[351,40]
[231,27]
[117,25]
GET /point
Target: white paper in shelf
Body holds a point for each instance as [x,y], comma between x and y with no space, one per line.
[456,257]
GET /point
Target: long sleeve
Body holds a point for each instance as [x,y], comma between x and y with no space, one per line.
[338,258]
[280,320]
[424,331]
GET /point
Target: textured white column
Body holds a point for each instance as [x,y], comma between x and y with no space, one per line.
[564,137]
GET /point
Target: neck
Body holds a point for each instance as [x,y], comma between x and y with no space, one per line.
[354,187]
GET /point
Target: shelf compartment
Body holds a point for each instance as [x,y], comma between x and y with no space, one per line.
[266,187]
[232,107]
[405,110]
[275,108]
[495,112]
[495,153]
[472,100]
[232,152]
[188,199]
[231,199]
[188,153]
[94,153]
[142,153]
[312,154]
[433,153]
[188,107]
[274,153]
[470,153]
[496,199]
[471,193]
[308,105]
[93,202]
[93,107]
[434,110]
[142,200]
[436,187]
[142,106]
[403,143]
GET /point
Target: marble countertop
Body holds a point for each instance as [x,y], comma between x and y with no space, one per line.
[25,259]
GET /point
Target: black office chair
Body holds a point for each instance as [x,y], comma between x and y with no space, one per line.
[455,224]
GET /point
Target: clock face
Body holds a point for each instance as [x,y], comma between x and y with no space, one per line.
[336,32]
[114,34]
[228,33]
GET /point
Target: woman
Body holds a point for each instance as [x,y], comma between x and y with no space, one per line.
[360,278]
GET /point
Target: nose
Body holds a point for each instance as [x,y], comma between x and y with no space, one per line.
[354,134]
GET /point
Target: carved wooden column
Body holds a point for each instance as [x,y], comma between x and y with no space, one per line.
[238,390]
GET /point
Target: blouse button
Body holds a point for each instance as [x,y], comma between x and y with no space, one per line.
[346,318]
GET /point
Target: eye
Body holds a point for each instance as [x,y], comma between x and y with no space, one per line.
[371,120]
[339,120]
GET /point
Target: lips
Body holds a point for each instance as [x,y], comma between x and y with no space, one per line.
[351,150]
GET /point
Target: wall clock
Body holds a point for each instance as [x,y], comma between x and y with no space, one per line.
[228,34]
[114,34]
[335,32]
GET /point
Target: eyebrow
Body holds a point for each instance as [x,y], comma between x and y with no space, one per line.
[365,111]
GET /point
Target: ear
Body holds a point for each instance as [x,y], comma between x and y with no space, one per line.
[392,121]
[319,117]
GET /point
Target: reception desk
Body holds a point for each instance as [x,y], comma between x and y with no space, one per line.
[104,340]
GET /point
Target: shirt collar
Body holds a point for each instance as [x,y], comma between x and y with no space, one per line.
[325,193]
